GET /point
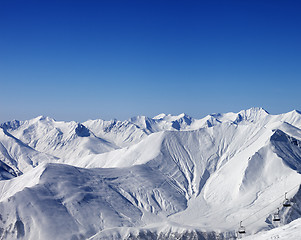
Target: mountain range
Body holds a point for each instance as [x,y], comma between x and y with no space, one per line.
[166,177]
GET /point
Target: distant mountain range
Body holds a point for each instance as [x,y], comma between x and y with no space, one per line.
[164,177]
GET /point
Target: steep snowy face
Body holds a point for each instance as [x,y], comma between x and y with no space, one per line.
[249,115]
[169,122]
[17,157]
[288,148]
[293,117]
[120,133]
[142,152]
[226,166]
[132,131]
[60,139]
[74,203]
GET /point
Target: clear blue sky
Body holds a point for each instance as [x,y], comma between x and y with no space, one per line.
[79,60]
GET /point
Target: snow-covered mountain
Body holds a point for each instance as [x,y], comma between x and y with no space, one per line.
[16,157]
[60,139]
[164,177]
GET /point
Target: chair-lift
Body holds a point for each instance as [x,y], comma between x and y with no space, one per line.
[287,202]
[276,217]
[241,228]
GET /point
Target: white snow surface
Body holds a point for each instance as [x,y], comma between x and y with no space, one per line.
[289,231]
[167,176]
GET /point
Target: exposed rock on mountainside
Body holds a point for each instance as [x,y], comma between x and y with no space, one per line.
[162,177]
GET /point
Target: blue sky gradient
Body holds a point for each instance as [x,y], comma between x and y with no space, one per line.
[79,60]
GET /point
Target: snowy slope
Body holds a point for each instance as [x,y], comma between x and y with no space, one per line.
[71,202]
[168,176]
[71,140]
[135,129]
[17,157]
[291,231]
[60,139]
[120,133]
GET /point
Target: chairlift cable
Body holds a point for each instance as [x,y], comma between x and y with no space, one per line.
[270,203]
[298,185]
[260,218]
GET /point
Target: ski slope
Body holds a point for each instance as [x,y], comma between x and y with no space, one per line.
[166,176]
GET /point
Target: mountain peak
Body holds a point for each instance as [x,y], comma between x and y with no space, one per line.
[43,118]
[251,114]
[82,131]
[160,116]
[255,110]
[296,112]
[183,115]
[164,116]
[171,169]
[11,124]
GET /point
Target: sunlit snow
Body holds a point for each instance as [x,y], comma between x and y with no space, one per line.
[164,177]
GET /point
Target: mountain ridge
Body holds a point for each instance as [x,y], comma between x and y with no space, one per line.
[156,175]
